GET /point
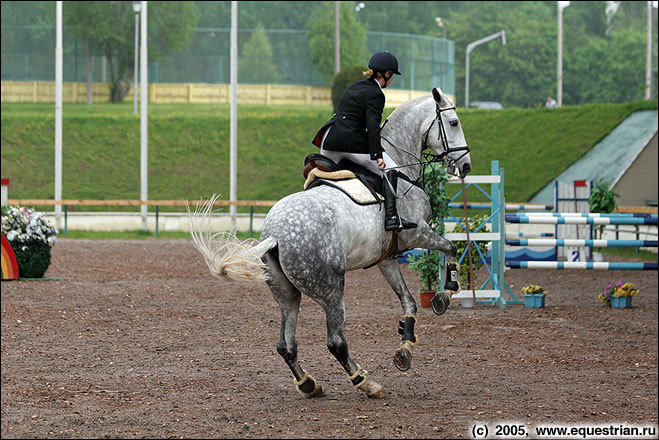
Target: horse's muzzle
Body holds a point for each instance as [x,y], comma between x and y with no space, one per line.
[466,169]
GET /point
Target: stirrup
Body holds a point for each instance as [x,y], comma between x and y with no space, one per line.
[398,224]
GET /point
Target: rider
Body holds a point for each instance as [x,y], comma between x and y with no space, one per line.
[353,132]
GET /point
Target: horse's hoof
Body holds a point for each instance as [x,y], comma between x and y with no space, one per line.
[317,389]
[440,303]
[372,389]
[377,395]
[317,392]
[403,359]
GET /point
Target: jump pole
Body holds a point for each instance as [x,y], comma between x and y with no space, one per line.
[588,265]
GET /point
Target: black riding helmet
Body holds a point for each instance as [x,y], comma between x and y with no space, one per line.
[383,62]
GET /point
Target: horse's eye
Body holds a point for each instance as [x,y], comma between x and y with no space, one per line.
[454,122]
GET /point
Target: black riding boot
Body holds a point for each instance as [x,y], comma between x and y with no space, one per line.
[391,220]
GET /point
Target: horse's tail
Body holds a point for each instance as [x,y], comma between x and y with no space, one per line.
[227,257]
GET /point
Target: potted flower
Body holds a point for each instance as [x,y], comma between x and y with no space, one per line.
[618,295]
[601,200]
[31,238]
[426,265]
[534,296]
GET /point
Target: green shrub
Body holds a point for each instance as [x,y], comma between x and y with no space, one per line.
[427,266]
[344,79]
[602,200]
[31,238]
[33,261]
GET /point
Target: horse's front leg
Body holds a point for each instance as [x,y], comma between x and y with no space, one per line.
[424,237]
[391,272]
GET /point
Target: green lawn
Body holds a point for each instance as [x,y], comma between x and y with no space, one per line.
[189,148]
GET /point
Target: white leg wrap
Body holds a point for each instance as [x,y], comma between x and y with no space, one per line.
[371,388]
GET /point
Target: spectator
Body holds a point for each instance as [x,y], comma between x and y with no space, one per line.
[550,103]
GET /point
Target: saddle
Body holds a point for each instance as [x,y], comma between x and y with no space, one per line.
[321,170]
[358,183]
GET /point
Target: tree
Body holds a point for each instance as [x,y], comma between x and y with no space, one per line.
[255,65]
[109,27]
[518,74]
[321,37]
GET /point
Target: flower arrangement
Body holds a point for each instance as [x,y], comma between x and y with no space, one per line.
[31,238]
[619,289]
[533,289]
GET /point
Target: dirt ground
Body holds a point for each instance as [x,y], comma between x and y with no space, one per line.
[135,339]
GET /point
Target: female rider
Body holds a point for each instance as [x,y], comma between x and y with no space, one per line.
[354,131]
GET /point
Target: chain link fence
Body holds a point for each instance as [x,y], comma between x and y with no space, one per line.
[28,54]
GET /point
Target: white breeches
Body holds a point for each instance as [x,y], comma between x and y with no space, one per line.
[360,159]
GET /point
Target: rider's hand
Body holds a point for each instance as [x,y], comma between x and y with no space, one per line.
[381,164]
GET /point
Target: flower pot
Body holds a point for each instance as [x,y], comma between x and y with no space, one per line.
[467,303]
[426,298]
[534,301]
[621,302]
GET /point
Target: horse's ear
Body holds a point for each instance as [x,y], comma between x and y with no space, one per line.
[436,95]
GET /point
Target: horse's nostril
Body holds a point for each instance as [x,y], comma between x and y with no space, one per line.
[466,169]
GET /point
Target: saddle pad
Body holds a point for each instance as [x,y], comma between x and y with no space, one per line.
[348,183]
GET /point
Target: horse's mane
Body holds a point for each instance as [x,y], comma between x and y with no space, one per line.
[403,108]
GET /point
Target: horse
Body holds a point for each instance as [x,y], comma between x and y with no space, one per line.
[310,239]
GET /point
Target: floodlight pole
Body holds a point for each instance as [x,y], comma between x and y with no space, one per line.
[440,23]
[559,62]
[58,112]
[337,39]
[233,124]
[501,34]
[137,6]
[144,133]
[648,56]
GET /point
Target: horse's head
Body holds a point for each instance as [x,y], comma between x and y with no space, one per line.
[446,138]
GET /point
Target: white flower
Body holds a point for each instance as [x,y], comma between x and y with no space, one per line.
[23,226]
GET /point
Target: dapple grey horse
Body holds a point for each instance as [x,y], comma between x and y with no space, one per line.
[310,239]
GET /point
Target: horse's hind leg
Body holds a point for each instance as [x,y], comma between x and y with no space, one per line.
[337,344]
[289,298]
[391,272]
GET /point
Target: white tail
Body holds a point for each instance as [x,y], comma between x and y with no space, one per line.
[227,257]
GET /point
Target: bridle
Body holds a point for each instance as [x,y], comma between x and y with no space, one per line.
[428,156]
[441,136]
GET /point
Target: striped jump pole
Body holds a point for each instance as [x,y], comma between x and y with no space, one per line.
[575,220]
[513,235]
[588,265]
[509,206]
[582,243]
[580,214]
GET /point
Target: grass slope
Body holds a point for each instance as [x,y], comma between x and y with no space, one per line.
[189,148]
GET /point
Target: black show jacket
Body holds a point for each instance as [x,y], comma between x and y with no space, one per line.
[356,123]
